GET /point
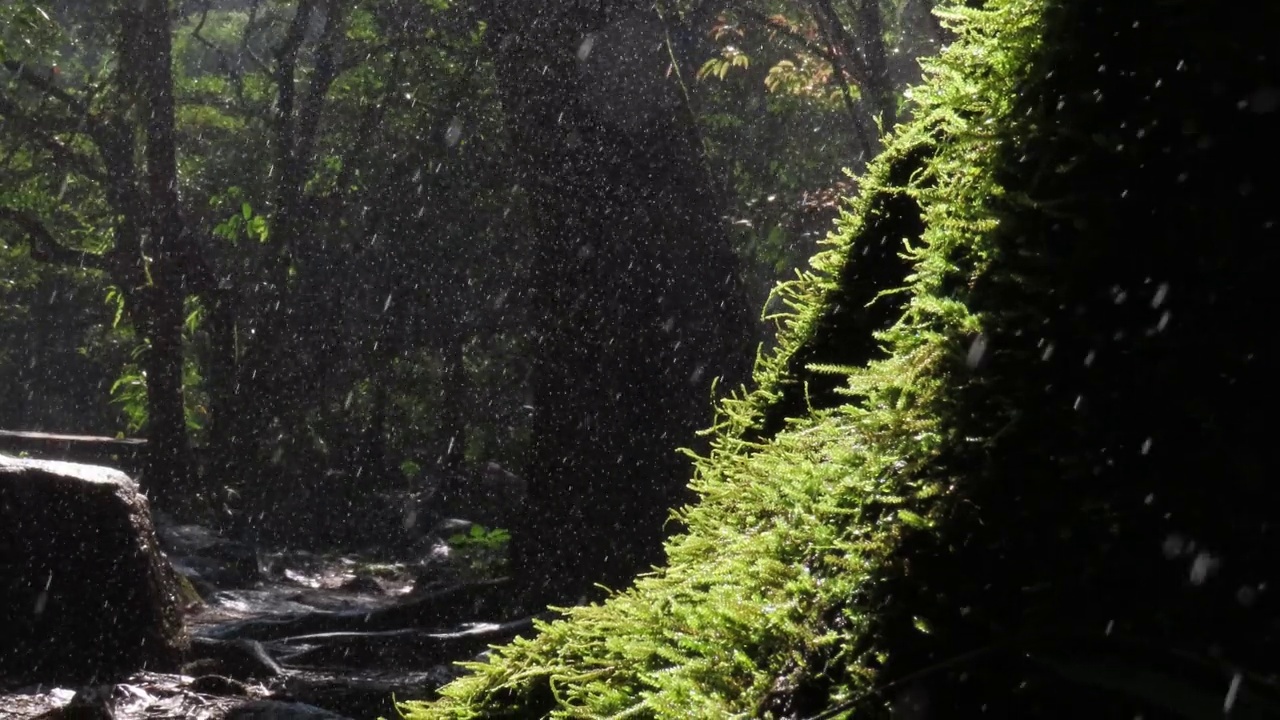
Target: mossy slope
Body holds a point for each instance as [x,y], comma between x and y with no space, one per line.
[1053,476]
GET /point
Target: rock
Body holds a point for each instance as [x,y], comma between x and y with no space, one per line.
[86,590]
[274,710]
[363,584]
[92,703]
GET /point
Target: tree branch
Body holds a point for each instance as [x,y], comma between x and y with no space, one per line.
[34,129]
[230,67]
[286,68]
[85,121]
[44,248]
[45,84]
[372,119]
[249,26]
[325,73]
[805,43]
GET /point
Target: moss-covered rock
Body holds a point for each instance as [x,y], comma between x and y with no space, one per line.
[1049,495]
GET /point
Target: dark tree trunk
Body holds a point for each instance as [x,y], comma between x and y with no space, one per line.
[167,470]
[146,34]
[636,297]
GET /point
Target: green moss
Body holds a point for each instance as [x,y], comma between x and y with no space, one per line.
[187,593]
[911,488]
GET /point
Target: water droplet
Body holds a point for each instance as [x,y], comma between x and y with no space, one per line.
[1232,691]
[697,374]
[584,49]
[454,133]
[1162,291]
[977,350]
[1202,567]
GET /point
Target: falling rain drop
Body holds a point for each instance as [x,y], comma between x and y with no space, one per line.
[1162,291]
[1233,691]
[454,133]
[1202,567]
[977,350]
[697,374]
[584,49]
[42,600]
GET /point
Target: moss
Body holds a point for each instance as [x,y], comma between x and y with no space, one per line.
[913,500]
[187,593]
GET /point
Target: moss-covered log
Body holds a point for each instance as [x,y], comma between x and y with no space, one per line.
[1050,495]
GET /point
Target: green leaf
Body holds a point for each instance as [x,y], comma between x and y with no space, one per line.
[246,210]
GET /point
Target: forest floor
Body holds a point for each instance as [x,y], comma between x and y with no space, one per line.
[340,633]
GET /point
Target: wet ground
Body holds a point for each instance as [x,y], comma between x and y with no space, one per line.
[305,611]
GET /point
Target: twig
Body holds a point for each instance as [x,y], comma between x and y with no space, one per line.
[232,68]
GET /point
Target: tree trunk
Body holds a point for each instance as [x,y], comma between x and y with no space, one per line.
[636,297]
[167,471]
[146,64]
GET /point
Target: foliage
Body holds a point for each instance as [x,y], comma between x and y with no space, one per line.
[844,562]
[481,537]
[129,391]
[481,551]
